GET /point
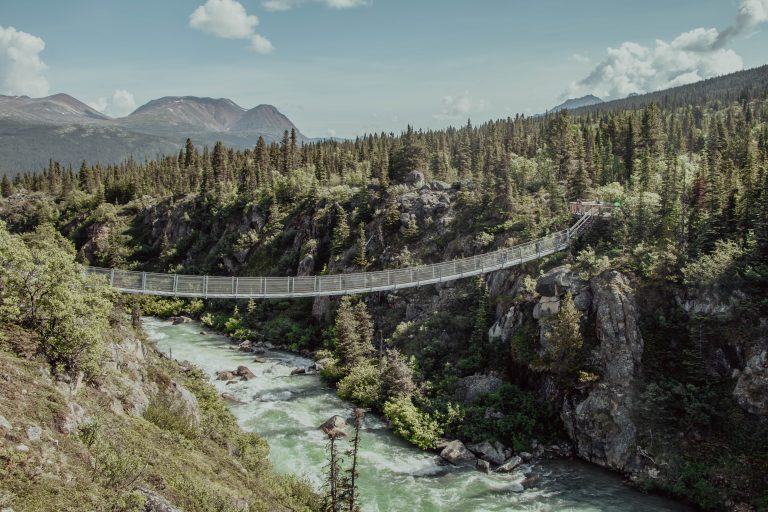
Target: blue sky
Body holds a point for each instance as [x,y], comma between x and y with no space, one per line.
[344,67]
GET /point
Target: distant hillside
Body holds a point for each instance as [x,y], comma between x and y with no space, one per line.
[747,84]
[60,127]
[575,103]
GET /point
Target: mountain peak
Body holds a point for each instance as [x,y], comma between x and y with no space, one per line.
[574,103]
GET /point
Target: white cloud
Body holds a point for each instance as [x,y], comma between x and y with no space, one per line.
[261,44]
[224,18]
[229,19]
[285,5]
[120,104]
[21,69]
[581,59]
[280,5]
[345,4]
[692,56]
[456,107]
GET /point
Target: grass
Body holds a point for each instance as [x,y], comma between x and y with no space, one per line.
[216,467]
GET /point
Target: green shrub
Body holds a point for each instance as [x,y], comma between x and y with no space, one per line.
[362,385]
[414,425]
[709,268]
[166,414]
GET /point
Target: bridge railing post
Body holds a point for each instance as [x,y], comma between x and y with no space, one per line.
[175,284]
[143,281]
[205,287]
[112,277]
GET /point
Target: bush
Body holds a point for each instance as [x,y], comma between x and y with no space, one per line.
[362,385]
[43,288]
[711,267]
[166,414]
[414,425]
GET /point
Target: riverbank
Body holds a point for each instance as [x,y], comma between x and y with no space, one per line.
[287,411]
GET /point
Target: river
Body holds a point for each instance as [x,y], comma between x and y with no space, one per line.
[394,476]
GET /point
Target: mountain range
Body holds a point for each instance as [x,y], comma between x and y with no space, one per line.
[33,130]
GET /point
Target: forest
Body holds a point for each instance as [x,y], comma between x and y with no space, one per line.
[689,176]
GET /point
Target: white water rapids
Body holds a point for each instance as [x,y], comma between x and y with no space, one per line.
[394,476]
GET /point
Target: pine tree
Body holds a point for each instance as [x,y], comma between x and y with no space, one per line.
[361,260]
[340,237]
[564,340]
[6,189]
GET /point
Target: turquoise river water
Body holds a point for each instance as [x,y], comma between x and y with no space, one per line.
[394,476]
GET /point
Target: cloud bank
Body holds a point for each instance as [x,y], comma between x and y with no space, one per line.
[229,19]
[692,56]
[21,69]
[120,104]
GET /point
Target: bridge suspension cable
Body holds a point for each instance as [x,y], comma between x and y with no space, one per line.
[177,285]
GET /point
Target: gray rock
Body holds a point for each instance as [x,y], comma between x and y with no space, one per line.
[155,502]
[181,320]
[483,466]
[546,306]
[487,451]
[306,266]
[5,424]
[506,326]
[22,448]
[188,405]
[34,433]
[526,456]
[245,373]
[510,464]
[457,454]
[751,391]
[439,185]
[415,178]
[469,389]
[600,424]
[73,419]
[335,422]
[560,280]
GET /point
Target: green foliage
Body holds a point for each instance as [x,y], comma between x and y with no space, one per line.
[169,415]
[42,287]
[414,425]
[563,353]
[712,267]
[590,264]
[362,385]
[522,418]
[117,467]
[695,484]
[167,307]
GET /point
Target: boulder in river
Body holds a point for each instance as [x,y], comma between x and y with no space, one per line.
[245,373]
[229,397]
[334,426]
[298,371]
[510,465]
[487,451]
[260,360]
[483,466]
[181,320]
[225,375]
[457,454]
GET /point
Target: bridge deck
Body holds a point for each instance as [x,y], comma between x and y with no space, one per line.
[176,285]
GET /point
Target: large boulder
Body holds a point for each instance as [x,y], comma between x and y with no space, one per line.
[245,373]
[505,327]
[751,391]
[510,464]
[469,389]
[457,454]
[599,421]
[187,402]
[71,421]
[487,451]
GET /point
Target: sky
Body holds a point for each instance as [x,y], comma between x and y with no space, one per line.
[347,67]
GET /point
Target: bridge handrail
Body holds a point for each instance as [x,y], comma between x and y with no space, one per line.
[338,284]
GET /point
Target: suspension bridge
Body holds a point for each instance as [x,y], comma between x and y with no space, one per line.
[210,287]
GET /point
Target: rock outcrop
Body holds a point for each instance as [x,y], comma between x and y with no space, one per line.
[469,389]
[751,391]
[600,423]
